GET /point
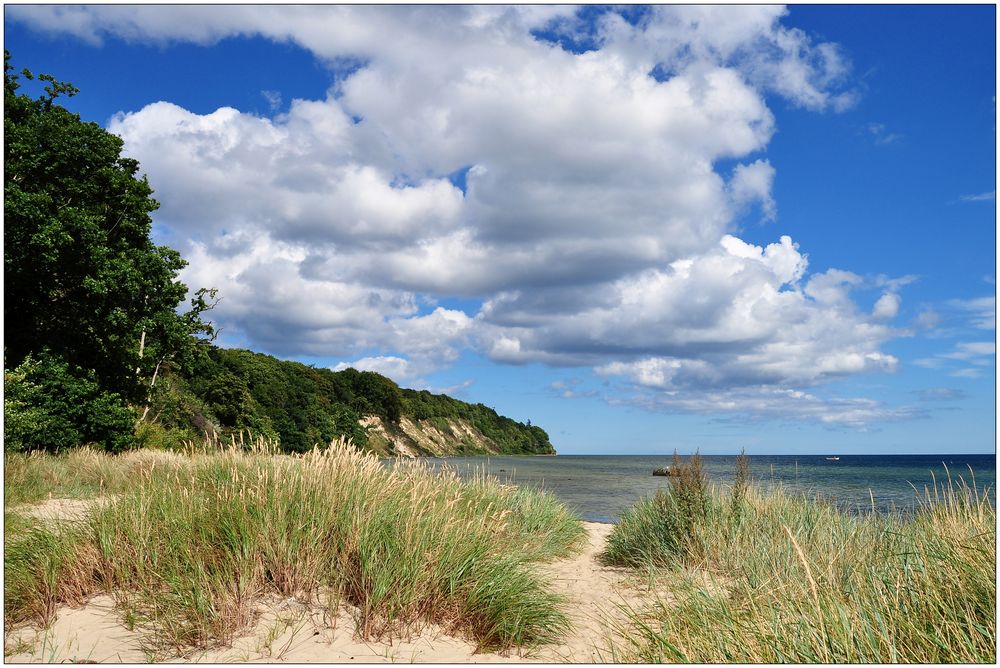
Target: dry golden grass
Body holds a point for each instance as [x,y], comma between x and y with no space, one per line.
[192,542]
[800,581]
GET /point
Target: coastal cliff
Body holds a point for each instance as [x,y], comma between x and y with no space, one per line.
[432,437]
[231,390]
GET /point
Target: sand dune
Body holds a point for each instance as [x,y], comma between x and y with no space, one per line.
[289,631]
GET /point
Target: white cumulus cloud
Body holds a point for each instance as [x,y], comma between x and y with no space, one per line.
[593,225]
[887,306]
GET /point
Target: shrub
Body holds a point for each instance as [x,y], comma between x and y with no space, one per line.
[153,436]
[648,533]
[50,405]
[662,529]
[690,489]
[741,483]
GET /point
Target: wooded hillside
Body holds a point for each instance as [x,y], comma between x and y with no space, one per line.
[230,390]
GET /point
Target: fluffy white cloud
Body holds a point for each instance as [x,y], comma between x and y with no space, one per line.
[751,38]
[887,306]
[593,224]
[397,368]
[269,301]
[730,317]
[754,182]
[293,178]
[581,170]
[668,37]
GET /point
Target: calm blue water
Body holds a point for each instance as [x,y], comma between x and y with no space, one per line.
[600,487]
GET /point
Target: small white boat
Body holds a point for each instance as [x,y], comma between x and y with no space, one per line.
[833,459]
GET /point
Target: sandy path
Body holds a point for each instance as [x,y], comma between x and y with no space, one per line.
[61,510]
[288,631]
[594,592]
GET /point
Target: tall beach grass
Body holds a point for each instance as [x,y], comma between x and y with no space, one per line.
[78,473]
[192,543]
[769,577]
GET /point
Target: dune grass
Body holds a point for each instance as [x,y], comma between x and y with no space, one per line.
[192,543]
[45,567]
[768,577]
[79,473]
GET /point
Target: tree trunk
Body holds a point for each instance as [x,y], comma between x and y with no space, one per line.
[149,395]
[142,349]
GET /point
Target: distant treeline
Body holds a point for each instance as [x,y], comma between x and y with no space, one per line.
[231,390]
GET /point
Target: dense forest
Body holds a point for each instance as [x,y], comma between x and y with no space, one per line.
[230,390]
[97,347]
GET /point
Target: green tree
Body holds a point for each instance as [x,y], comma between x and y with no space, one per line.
[49,405]
[84,283]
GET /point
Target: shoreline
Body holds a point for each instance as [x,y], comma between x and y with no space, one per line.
[600,487]
[742,592]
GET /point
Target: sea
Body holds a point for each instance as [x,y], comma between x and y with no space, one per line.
[600,487]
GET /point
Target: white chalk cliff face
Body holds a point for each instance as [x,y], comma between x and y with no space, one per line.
[441,437]
[558,173]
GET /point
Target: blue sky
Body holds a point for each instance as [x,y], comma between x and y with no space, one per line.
[713,228]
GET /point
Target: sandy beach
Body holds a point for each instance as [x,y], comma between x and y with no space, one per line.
[290,631]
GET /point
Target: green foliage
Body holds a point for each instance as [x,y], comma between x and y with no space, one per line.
[190,544]
[300,405]
[83,281]
[38,563]
[794,580]
[369,393]
[173,407]
[231,390]
[82,276]
[690,491]
[153,436]
[663,529]
[51,405]
[649,533]
[741,483]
